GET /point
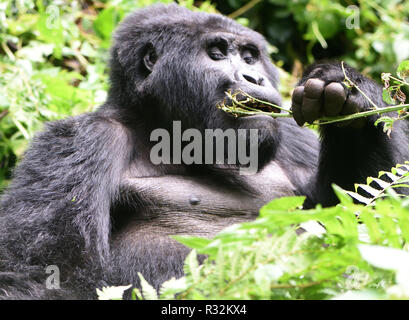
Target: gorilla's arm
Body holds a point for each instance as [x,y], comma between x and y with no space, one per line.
[352,151]
[57,209]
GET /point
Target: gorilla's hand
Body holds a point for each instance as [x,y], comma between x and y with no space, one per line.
[322,93]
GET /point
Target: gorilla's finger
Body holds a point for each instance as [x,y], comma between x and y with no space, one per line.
[296,105]
[351,106]
[311,109]
[298,94]
[334,99]
[312,101]
[314,88]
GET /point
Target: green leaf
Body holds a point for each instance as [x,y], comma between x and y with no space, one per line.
[360,295]
[106,22]
[403,70]
[112,293]
[384,257]
[149,292]
[192,241]
[386,96]
[173,286]
[342,194]
[267,273]
[282,204]
[192,266]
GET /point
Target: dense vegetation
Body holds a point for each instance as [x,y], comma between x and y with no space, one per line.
[53,64]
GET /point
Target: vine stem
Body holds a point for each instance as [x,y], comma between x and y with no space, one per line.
[356,87]
[322,121]
[256,112]
[398,80]
[243,9]
[6,49]
[3,114]
[242,103]
[328,120]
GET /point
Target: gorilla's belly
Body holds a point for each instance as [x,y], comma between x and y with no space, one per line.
[153,208]
[175,204]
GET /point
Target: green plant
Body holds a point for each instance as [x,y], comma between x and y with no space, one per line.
[289,253]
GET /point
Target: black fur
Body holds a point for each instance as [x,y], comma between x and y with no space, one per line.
[68,204]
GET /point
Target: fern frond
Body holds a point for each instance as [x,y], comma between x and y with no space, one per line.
[376,188]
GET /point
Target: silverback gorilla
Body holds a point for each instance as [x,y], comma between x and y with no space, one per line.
[87,198]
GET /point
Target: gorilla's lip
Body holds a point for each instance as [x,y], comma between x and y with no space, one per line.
[258,105]
[250,102]
[262,98]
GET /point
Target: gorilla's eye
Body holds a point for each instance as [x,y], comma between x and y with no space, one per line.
[249,55]
[215,53]
[217,50]
[150,58]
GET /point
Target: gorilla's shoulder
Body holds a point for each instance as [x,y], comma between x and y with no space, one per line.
[75,141]
[88,125]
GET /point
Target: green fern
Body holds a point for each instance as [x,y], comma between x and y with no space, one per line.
[377,187]
[266,259]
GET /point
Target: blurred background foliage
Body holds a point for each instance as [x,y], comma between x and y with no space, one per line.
[53,54]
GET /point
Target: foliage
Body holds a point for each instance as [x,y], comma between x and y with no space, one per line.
[51,67]
[376,188]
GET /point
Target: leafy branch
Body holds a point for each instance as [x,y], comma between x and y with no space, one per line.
[250,105]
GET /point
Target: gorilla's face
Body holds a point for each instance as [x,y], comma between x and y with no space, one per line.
[191,82]
[180,65]
[241,61]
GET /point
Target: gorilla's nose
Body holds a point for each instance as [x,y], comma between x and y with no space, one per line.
[250,76]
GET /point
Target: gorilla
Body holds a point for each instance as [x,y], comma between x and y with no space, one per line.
[88,201]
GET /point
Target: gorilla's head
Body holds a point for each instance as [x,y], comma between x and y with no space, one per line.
[170,63]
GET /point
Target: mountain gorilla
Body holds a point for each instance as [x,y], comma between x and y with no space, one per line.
[87,199]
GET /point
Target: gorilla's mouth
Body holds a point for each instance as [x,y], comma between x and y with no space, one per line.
[260,106]
[242,104]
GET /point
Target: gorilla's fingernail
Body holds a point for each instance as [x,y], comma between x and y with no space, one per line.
[314,88]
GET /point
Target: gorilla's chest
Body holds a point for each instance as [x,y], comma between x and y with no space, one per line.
[201,205]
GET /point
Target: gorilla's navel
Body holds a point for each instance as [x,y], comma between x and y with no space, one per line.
[193,200]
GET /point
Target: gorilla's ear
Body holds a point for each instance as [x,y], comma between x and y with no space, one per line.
[149,58]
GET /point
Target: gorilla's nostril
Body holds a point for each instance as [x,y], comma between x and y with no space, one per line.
[250,79]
